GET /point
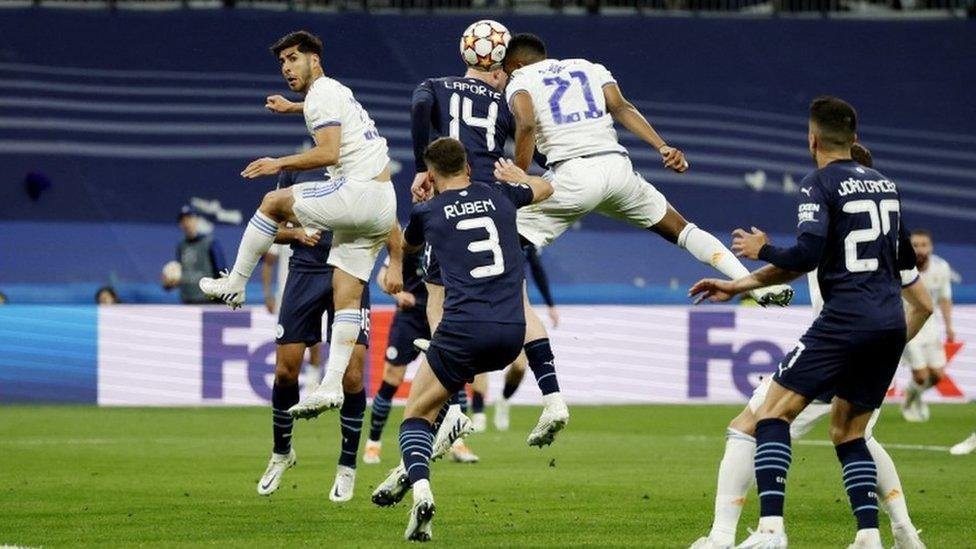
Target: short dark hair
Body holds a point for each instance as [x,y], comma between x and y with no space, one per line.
[836,121]
[106,289]
[862,155]
[922,232]
[306,42]
[525,44]
[446,156]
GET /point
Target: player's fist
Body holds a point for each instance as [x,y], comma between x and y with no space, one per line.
[261,167]
[748,244]
[712,289]
[405,300]
[507,171]
[278,104]
[673,158]
[308,237]
[421,189]
[393,280]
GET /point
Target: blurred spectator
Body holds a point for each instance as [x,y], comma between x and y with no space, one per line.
[106,296]
[197,256]
[3,298]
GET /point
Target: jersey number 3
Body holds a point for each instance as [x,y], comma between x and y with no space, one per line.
[461,110]
[490,244]
[880,215]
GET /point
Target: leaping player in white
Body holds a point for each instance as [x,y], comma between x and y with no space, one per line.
[357,203]
[566,109]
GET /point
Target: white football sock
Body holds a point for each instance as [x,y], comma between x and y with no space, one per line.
[707,249]
[258,237]
[345,332]
[772,525]
[735,476]
[890,492]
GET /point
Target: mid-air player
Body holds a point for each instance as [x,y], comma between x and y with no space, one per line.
[849,228]
[735,474]
[472,109]
[357,203]
[305,299]
[483,326]
[925,354]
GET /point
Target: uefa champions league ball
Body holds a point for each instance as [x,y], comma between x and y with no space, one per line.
[483,45]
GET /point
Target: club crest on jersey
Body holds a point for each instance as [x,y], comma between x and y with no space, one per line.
[459,208]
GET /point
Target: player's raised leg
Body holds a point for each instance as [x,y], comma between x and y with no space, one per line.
[284,395]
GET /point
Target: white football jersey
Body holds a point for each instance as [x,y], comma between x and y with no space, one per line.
[570,109]
[937,279]
[363,153]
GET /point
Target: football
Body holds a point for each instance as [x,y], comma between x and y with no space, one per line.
[172,272]
[483,45]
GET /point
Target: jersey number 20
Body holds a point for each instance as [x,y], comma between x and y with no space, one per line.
[461,110]
[491,244]
[880,216]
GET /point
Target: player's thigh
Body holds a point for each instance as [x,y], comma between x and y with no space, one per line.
[630,198]
[577,191]
[935,356]
[480,383]
[356,254]
[848,420]
[865,380]
[808,419]
[304,302]
[435,305]
[394,374]
[914,354]
[816,364]
[781,403]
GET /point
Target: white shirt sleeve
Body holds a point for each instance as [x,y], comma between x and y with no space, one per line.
[603,75]
[322,108]
[908,277]
[945,289]
[518,83]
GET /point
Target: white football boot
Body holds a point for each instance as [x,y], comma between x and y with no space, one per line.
[421,514]
[220,288]
[393,488]
[479,422]
[327,396]
[967,446]
[906,537]
[460,453]
[277,466]
[502,408]
[780,295]
[345,483]
[455,426]
[555,416]
[869,538]
[709,543]
[764,540]
[371,454]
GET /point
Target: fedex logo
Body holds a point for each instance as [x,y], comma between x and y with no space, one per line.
[260,361]
[748,360]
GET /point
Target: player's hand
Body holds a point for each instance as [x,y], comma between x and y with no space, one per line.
[269,303]
[673,159]
[393,281]
[421,190]
[712,289]
[261,167]
[507,171]
[305,238]
[278,104]
[950,335]
[748,244]
[554,317]
[405,300]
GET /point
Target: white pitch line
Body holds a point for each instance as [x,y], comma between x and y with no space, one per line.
[892,445]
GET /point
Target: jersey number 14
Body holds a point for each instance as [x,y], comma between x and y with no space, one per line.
[461,110]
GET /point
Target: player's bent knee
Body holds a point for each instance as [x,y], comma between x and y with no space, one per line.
[936,375]
[839,434]
[920,376]
[393,374]
[287,374]
[745,422]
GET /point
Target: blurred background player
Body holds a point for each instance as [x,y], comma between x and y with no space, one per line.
[306,298]
[357,203]
[277,263]
[472,109]
[198,256]
[106,296]
[925,355]
[483,326]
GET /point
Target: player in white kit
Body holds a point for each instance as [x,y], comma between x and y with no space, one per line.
[925,354]
[357,203]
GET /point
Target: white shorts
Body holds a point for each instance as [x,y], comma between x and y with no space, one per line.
[606,184]
[360,215]
[924,351]
[810,415]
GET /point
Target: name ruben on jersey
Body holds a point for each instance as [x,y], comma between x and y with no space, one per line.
[458,208]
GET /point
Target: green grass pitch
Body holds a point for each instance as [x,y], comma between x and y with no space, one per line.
[629,476]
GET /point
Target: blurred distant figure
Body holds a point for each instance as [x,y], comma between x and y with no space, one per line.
[3,298]
[197,255]
[106,296]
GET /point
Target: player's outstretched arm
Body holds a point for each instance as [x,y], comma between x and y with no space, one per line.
[919,308]
[278,104]
[507,171]
[628,116]
[393,281]
[324,153]
[524,113]
[421,108]
[716,290]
